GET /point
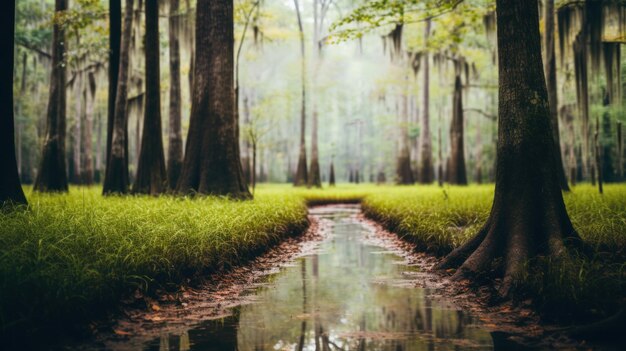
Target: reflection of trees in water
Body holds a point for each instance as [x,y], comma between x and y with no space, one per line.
[343,298]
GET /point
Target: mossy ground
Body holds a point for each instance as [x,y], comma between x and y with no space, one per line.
[70,257]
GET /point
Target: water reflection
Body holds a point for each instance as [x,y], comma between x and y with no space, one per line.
[349,296]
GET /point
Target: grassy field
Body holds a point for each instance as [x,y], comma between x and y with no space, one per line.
[70,256]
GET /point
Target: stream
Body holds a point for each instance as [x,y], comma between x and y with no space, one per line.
[351,292]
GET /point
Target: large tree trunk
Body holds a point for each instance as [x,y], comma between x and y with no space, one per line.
[456,167]
[52,174]
[10,187]
[116,177]
[301,177]
[528,216]
[115,38]
[175,150]
[151,176]
[90,96]
[212,162]
[550,74]
[426,170]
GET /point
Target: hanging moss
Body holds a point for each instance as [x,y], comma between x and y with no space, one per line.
[415,58]
[396,40]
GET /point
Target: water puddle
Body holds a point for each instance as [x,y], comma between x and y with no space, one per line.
[350,293]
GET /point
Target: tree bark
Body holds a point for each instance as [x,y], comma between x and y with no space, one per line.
[90,96]
[528,216]
[151,175]
[212,162]
[116,178]
[550,74]
[10,188]
[52,174]
[301,178]
[426,170]
[456,171]
[403,168]
[76,162]
[115,38]
[175,150]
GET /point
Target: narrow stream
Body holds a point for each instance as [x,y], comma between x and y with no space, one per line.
[349,295]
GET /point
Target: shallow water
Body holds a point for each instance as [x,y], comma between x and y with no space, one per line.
[349,295]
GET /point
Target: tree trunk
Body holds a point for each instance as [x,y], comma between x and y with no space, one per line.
[331,177]
[245,160]
[212,162]
[426,171]
[116,177]
[528,217]
[76,169]
[115,38]
[10,187]
[607,171]
[90,96]
[52,175]
[314,179]
[151,175]
[550,74]
[175,150]
[403,168]
[301,177]
[620,151]
[456,171]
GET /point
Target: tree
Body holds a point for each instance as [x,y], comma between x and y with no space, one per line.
[115,38]
[116,178]
[151,175]
[301,177]
[456,167]
[550,73]
[426,172]
[212,162]
[175,150]
[10,187]
[52,175]
[90,97]
[528,215]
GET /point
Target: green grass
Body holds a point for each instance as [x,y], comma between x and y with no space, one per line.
[70,257]
[440,219]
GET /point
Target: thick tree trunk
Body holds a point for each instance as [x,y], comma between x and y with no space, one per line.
[456,171]
[151,175]
[528,216]
[550,74]
[90,96]
[52,174]
[10,187]
[116,178]
[426,170]
[212,161]
[301,177]
[115,38]
[175,150]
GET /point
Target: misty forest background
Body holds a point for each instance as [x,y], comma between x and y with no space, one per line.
[365,95]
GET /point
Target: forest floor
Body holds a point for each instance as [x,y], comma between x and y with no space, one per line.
[70,258]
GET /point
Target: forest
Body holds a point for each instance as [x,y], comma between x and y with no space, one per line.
[312,175]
